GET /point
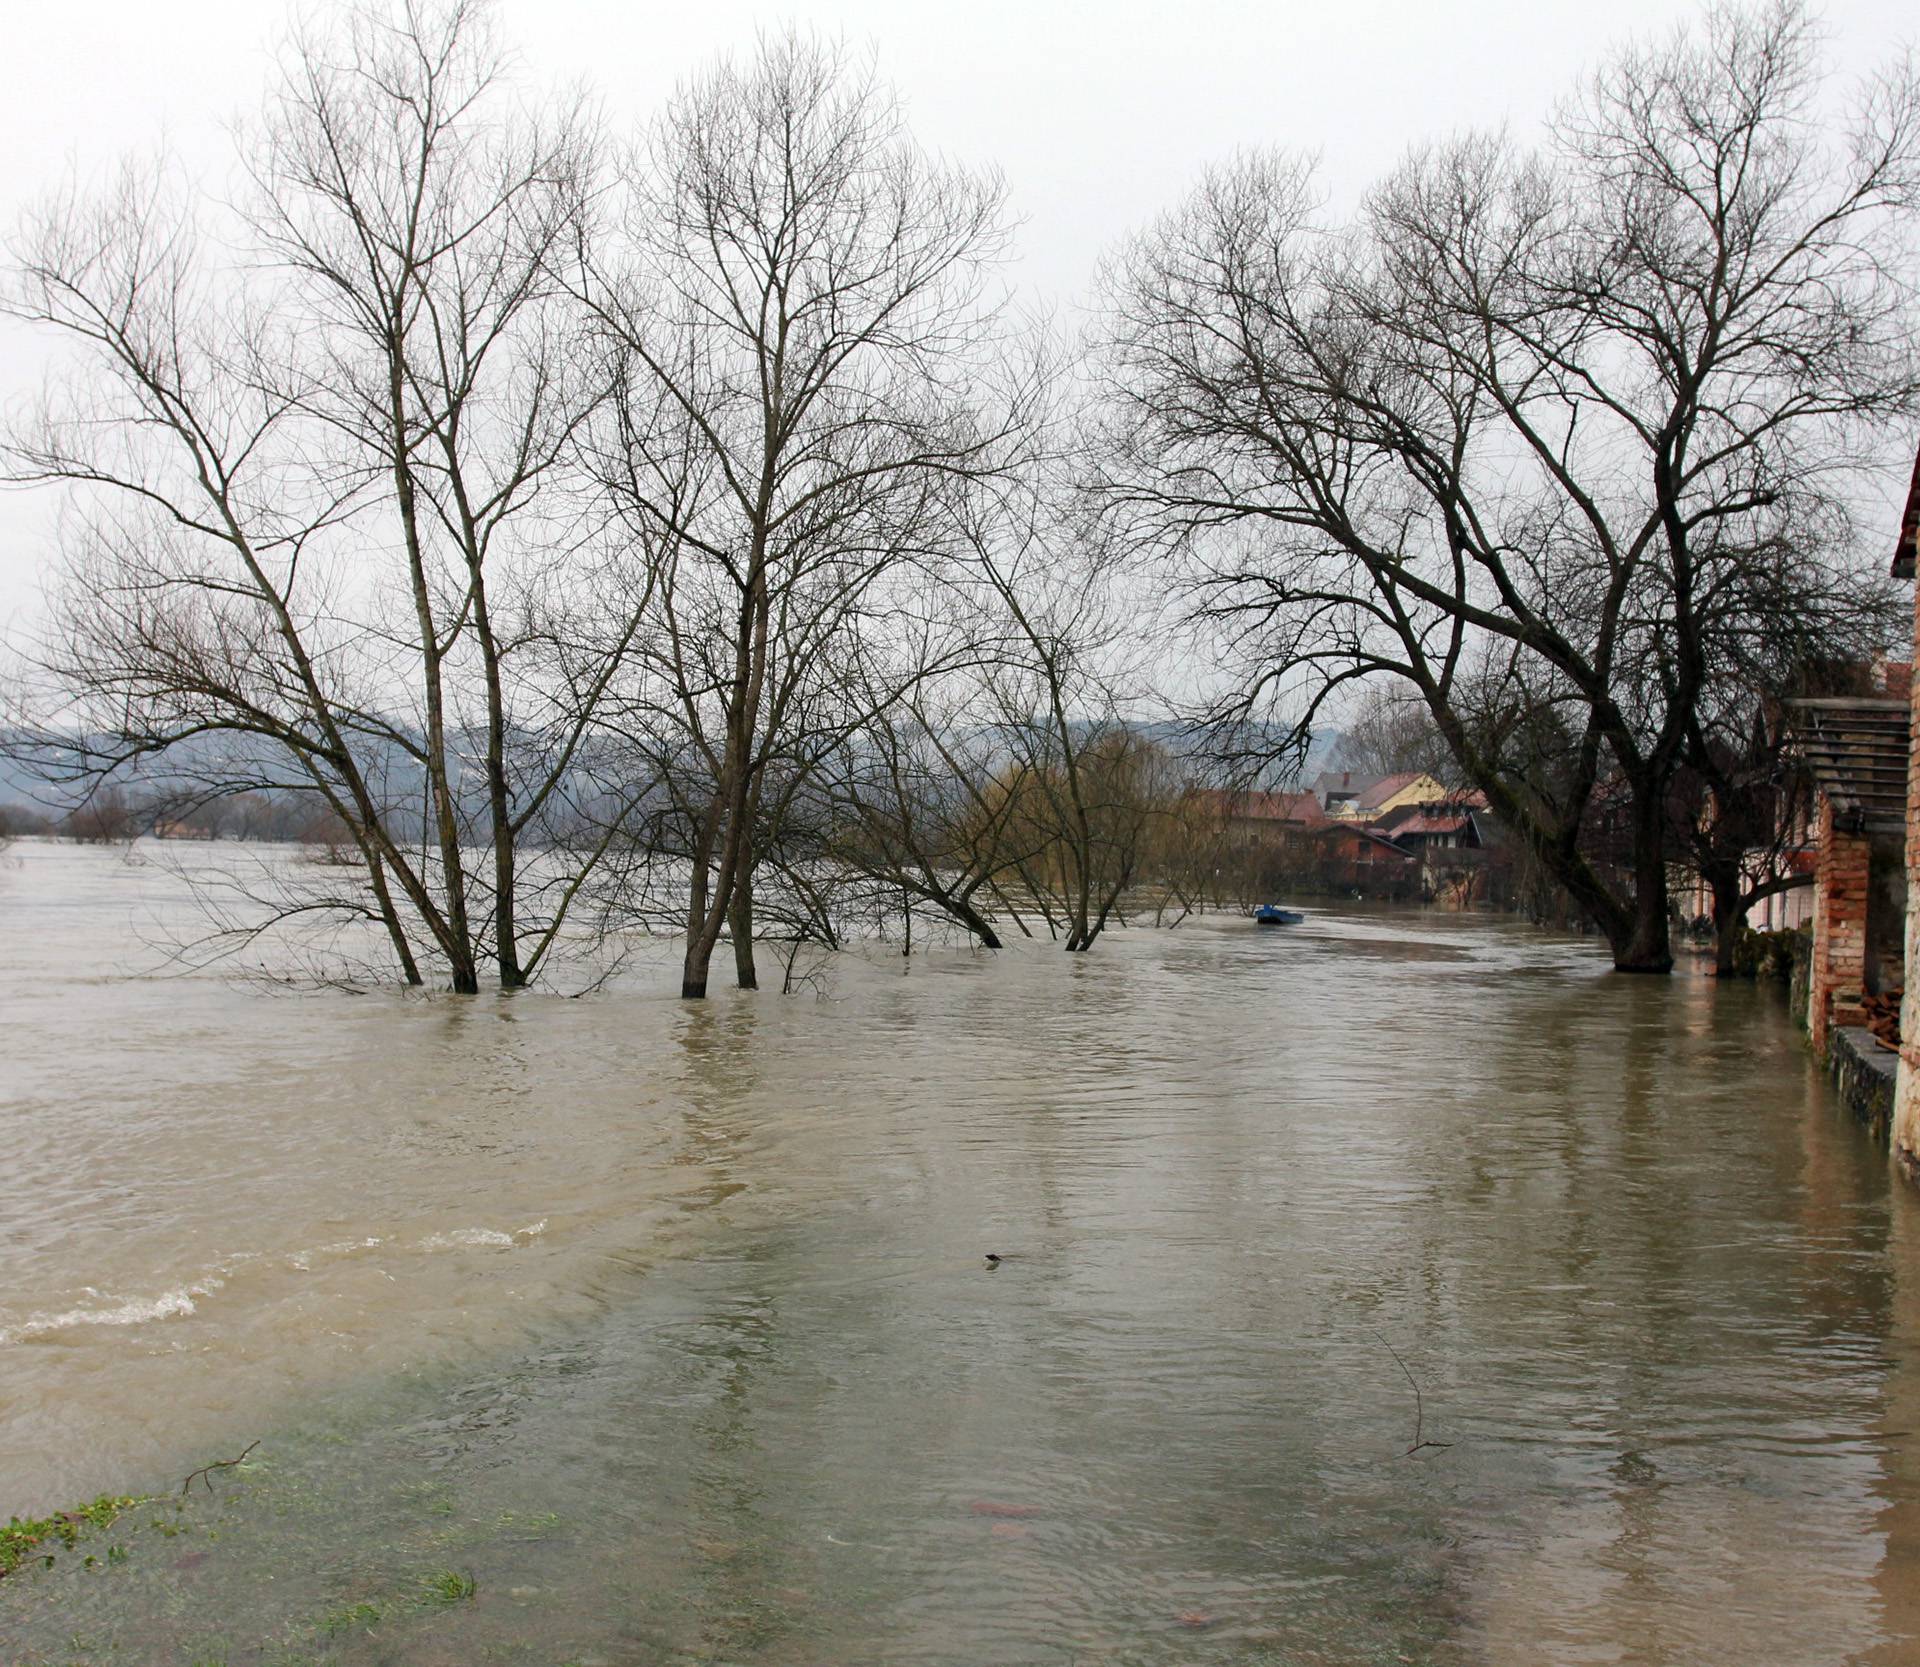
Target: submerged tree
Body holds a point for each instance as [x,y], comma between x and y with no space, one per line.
[1085,782]
[1572,432]
[914,808]
[317,446]
[808,355]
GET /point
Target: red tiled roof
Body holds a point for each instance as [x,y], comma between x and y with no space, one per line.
[1303,808]
[1428,823]
[1908,545]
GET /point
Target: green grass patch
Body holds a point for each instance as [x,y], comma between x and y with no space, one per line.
[441,1588]
[447,1586]
[358,1617]
[25,1538]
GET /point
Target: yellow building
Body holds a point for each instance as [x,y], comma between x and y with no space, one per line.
[1351,796]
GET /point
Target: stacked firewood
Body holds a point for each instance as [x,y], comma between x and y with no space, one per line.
[1883,1017]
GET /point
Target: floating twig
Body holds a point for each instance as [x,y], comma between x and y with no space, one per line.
[1419,1409]
[202,1474]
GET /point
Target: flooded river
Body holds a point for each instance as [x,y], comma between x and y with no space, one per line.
[619,1331]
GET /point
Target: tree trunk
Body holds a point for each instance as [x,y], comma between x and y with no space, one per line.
[1641,942]
[729,822]
[506,929]
[740,922]
[464,977]
[693,972]
[1729,917]
[444,819]
[975,922]
[377,873]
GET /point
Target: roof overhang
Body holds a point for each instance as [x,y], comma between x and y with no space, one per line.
[1856,750]
[1905,552]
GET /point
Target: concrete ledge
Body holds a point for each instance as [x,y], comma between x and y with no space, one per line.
[1863,1071]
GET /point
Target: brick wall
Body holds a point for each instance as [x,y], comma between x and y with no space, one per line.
[1842,884]
[1906,1093]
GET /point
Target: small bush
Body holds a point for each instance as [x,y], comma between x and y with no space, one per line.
[1765,954]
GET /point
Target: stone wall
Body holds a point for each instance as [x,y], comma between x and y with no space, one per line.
[1865,1074]
[1863,1071]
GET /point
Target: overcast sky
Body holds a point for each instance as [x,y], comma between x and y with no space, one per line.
[1099,115]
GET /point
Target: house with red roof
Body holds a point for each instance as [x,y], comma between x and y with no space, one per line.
[1363,861]
[1261,816]
[1459,822]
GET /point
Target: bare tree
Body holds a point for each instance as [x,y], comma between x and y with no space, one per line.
[1576,430]
[1082,784]
[1737,826]
[968,764]
[918,811]
[807,343]
[22,821]
[934,800]
[1193,860]
[105,817]
[325,535]
[1391,729]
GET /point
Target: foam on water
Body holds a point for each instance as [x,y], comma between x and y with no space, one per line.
[482,1238]
[120,1311]
[105,1309]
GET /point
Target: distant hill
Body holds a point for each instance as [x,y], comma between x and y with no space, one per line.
[256,765]
[1198,746]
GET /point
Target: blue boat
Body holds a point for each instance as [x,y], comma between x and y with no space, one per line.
[1271,914]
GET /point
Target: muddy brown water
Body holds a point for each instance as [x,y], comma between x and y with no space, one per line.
[670,1328]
